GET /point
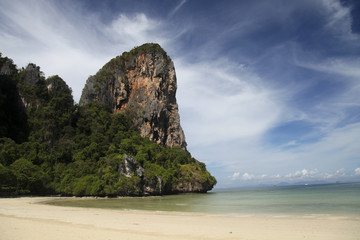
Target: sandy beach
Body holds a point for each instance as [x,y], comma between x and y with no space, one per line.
[29,218]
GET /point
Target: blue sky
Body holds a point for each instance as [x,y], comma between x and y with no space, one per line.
[268,90]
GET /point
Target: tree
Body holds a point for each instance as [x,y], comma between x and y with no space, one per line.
[29,177]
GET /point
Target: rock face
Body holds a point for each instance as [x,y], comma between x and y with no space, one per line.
[32,74]
[13,118]
[130,166]
[7,67]
[190,179]
[88,150]
[31,77]
[143,84]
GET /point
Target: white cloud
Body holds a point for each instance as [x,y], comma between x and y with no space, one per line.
[235,176]
[62,40]
[219,101]
[340,172]
[247,176]
[300,176]
[276,176]
[129,31]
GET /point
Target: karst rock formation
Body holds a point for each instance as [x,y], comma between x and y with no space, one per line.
[142,83]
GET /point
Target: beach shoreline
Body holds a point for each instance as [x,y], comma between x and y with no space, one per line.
[32,218]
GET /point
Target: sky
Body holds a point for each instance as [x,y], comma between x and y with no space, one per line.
[268,90]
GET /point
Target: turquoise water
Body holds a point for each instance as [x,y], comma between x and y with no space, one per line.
[309,199]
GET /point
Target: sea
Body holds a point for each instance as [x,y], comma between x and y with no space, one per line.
[334,199]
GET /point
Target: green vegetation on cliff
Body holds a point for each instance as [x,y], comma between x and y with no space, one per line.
[48,145]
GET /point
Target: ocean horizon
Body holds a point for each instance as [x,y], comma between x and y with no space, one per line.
[336,199]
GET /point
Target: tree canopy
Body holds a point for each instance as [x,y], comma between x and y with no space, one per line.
[49,145]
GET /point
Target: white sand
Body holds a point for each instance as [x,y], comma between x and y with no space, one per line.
[28,218]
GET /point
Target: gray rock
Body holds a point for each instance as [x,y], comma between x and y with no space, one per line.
[32,74]
[130,167]
[143,85]
[7,68]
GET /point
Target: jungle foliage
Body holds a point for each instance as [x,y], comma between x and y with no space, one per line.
[52,146]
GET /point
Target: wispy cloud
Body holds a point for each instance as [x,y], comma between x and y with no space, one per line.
[222,101]
[177,8]
[333,109]
[344,66]
[65,41]
[239,76]
[339,19]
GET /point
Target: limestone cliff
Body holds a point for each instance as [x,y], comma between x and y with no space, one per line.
[142,83]
[48,145]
